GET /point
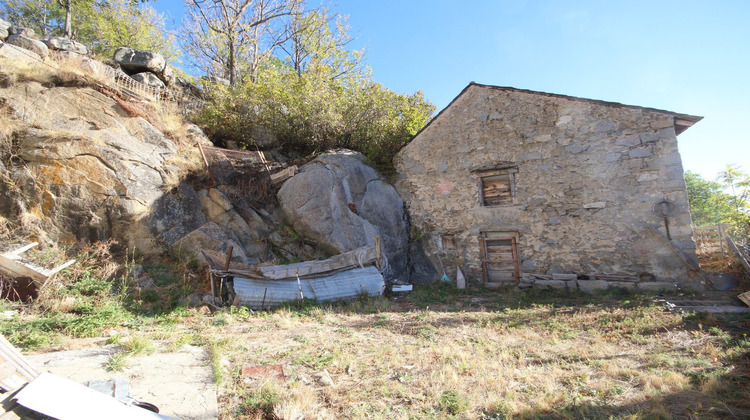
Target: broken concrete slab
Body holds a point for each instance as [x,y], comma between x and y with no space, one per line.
[179,382]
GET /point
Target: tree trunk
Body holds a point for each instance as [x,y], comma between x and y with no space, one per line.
[68,30]
[230,64]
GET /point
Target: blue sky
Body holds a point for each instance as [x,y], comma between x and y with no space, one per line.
[685,56]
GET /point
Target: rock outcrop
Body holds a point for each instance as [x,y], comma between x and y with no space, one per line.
[134,61]
[89,170]
[342,203]
[4,27]
[18,54]
[148,78]
[22,31]
[60,43]
[30,44]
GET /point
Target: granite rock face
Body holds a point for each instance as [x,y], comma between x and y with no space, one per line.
[342,203]
[21,30]
[148,78]
[60,43]
[585,176]
[133,61]
[4,27]
[136,61]
[37,47]
[89,170]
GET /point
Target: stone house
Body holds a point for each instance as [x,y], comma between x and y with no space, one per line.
[550,190]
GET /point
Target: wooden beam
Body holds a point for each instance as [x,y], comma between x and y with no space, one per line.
[739,254]
[683,257]
[23,249]
[378,252]
[13,265]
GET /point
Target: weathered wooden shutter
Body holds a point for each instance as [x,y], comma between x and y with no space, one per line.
[497,189]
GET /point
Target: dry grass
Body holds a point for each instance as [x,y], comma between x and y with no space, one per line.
[67,72]
[491,356]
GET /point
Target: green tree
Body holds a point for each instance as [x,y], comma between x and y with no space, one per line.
[317,42]
[709,204]
[737,183]
[314,94]
[82,9]
[102,25]
[722,201]
[308,114]
[121,23]
[42,16]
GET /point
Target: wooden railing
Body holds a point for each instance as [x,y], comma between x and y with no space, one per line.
[711,240]
[714,240]
[187,102]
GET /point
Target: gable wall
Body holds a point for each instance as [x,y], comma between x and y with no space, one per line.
[588,175]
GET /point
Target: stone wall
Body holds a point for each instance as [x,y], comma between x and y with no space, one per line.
[588,175]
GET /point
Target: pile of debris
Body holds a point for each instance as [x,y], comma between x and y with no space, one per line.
[344,276]
[30,395]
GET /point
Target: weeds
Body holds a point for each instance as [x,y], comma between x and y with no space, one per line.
[453,402]
[116,363]
[439,353]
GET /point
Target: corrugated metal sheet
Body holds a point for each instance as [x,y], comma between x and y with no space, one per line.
[344,285]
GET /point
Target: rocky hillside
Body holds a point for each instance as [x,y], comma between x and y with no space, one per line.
[82,161]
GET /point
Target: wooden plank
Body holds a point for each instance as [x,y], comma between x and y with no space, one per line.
[515,261]
[378,252]
[502,256]
[15,369]
[497,189]
[24,248]
[679,253]
[283,175]
[12,264]
[745,298]
[497,195]
[492,249]
[15,267]
[483,257]
[359,257]
[739,254]
[57,269]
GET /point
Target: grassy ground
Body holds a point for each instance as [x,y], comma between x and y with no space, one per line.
[437,353]
[488,355]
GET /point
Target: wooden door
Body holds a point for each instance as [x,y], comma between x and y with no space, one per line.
[499,258]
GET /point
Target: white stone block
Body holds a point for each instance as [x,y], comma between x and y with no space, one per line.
[551,284]
[592,286]
[655,286]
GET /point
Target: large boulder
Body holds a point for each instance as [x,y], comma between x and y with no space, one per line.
[188,86]
[19,55]
[23,31]
[342,203]
[60,43]
[148,78]
[4,27]
[134,61]
[30,44]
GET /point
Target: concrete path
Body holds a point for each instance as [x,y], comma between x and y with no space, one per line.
[179,382]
